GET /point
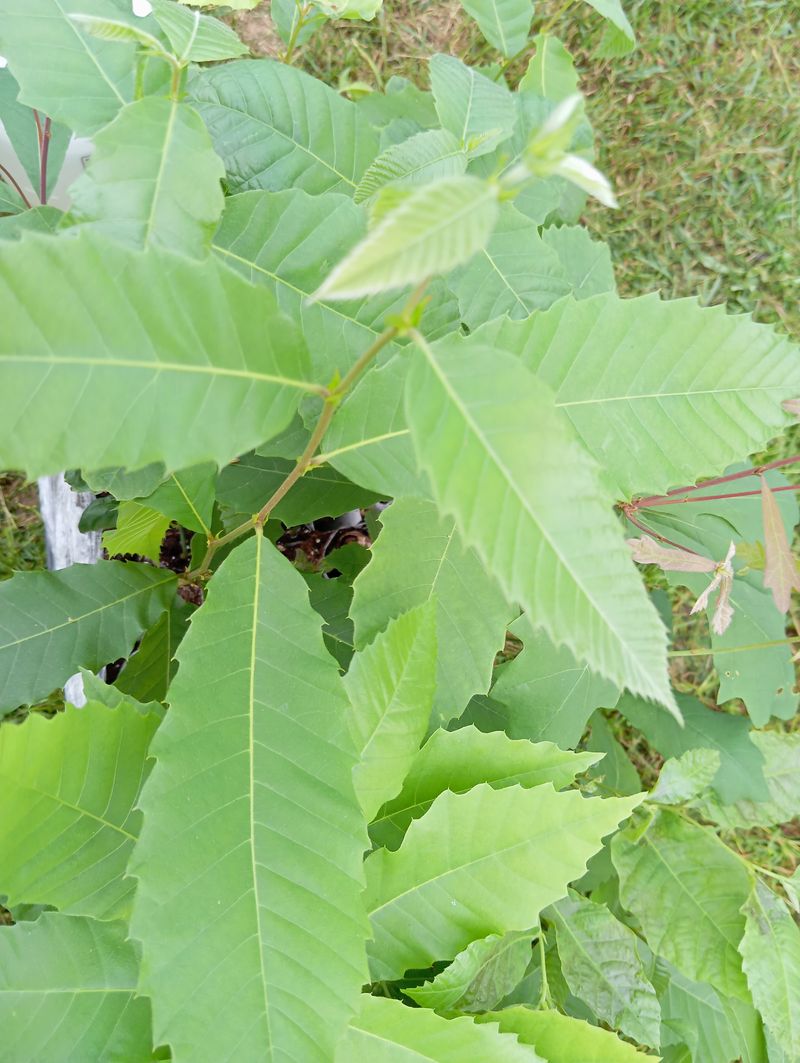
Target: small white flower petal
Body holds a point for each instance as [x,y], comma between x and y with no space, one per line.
[587,177]
[3,62]
[142,8]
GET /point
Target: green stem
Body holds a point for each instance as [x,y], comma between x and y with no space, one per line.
[734,649]
[302,13]
[544,993]
[332,400]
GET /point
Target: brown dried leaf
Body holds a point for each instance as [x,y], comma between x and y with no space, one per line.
[648,552]
[792,406]
[780,571]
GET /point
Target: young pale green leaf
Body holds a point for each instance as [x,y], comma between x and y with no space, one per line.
[91,79]
[87,615]
[38,220]
[20,126]
[234,5]
[740,775]
[187,497]
[287,241]
[459,760]
[419,557]
[437,227]
[686,889]
[390,685]
[504,464]
[149,671]
[112,29]
[11,202]
[479,112]
[551,71]
[386,1031]
[476,864]
[363,9]
[287,15]
[153,179]
[425,157]
[781,771]
[514,274]
[602,968]
[686,777]
[480,976]
[68,789]
[586,262]
[652,419]
[562,1039]
[68,991]
[545,693]
[505,24]
[196,38]
[278,128]
[266,914]
[139,530]
[770,952]
[243,487]
[179,362]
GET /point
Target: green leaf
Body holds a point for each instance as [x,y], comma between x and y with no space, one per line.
[545,693]
[476,416]
[244,487]
[11,202]
[387,1031]
[118,31]
[187,497]
[437,227]
[120,346]
[153,179]
[277,128]
[125,483]
[514,274]
[419,557]
[770,952]
[288,241]
[561,1039]
[781,771]
[614,774]
[68,789]
[603,969]
[139,530]
[92,78]
[586,262]
[68,992]
[715,1028]
[479,112]
[368,439]
[459,760]
[390,685]
[686,777]
[480,976]
[425,157]
[660,392]
[286,14]
[86,615]
[196,38]
[612,10]
[148,671]
[505,24]
[686,888]
[476,864]
[266,914]
[551,71]
[39,219]
[740,774]
[20,126]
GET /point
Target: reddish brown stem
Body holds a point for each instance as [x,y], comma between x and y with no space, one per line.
[38,121]
[713,498]
[43,153]
[654,534]
[646,503]
[10,178]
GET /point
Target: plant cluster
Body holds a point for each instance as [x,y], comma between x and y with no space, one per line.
[328,810]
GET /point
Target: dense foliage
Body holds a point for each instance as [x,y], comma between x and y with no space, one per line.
[268,305]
